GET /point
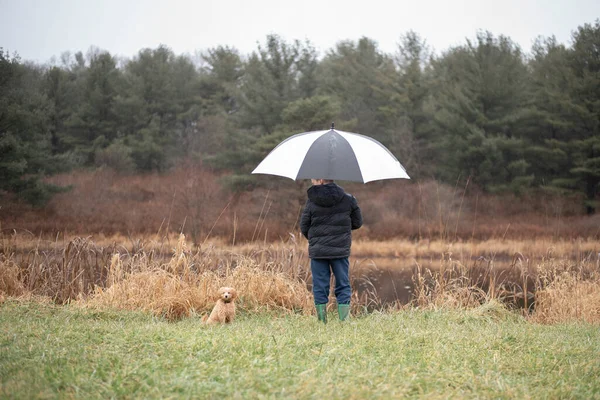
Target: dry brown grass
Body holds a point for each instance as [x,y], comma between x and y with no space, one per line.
[59,273]
[294,246]
[567,300]
[10,282]
[553,290]
[568,292]
[447,289]
[553,281]
[579,248]
[182,288]
[181,283]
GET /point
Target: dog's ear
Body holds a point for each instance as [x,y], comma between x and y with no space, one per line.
[233,292]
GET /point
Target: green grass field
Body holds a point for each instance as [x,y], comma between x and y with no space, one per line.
[49,351]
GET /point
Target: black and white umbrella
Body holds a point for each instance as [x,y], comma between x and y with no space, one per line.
[332,154]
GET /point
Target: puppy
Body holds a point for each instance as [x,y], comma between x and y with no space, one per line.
[224,310]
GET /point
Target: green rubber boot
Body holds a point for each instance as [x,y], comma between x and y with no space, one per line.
[343,311]
[322,312]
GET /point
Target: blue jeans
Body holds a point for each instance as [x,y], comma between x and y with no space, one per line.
[321,273]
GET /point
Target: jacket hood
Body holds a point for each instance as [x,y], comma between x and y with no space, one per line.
[326,195]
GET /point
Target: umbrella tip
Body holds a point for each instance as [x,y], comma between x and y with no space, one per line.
[332,125]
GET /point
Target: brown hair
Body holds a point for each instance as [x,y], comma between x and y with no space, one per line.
[325,181]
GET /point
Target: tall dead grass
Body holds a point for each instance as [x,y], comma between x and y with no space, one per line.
[59,273]
[552,291]
[183,287]
[560,285]
[458,285]
[10,281]
[568,292]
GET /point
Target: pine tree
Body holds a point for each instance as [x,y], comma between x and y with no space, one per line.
[362,79]
[480,109]
[411,124]
[567,100]
[585,149]
[270,81]
[25,146]
[94,124]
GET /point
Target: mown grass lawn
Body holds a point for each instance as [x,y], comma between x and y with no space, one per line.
[50,351]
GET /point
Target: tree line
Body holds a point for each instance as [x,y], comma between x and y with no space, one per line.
[483,111]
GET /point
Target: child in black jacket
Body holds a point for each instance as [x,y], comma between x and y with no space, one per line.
[327,222]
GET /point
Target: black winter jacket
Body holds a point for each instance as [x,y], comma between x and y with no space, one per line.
[329,216]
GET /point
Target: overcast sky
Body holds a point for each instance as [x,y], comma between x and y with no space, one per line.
[40,29]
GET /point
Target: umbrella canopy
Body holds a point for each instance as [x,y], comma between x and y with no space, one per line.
[334,155]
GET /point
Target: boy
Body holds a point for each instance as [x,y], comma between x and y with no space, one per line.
[329,216]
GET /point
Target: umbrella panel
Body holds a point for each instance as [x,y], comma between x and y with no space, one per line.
[330,157]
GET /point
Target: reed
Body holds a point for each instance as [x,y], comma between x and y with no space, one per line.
[568,292]
[187,284]
[549,281]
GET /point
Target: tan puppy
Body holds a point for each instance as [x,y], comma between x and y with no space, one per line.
[224,310]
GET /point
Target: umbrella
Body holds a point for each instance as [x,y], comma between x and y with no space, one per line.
[332,154]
